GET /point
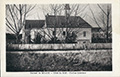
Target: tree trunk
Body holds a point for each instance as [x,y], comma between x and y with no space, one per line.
[107,24]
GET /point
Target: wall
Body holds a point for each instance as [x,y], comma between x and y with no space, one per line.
[32,33]
[88,34]
[59,33]
[61,46]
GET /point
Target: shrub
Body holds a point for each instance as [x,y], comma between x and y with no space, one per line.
[68,61]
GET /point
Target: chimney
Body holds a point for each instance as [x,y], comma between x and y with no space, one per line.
[67,10]
[67,7]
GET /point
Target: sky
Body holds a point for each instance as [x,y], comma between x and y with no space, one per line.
[39,14]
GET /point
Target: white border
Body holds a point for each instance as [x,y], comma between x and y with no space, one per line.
[116,37]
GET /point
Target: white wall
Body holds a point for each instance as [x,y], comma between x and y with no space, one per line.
[79,34]
[59,33]
[88,34]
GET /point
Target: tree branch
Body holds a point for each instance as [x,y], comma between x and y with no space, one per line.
[102,9]
[95,18]
[12,17]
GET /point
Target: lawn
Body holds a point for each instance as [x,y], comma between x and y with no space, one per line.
[89,60]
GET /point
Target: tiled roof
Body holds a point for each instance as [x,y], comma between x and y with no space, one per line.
[29,24]
[60,22]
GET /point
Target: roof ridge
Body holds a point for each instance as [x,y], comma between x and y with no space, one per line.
[34,20]
[60,15]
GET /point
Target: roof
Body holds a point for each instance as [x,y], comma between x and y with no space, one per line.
[29,24]
[96,29]
[60,22]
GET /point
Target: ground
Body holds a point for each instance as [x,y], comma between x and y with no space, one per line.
[79,60]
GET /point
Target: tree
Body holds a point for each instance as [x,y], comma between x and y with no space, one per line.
[15,17]
[105,19]
[59,9]
[53,9]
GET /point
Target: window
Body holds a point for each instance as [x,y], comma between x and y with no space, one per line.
[84,34]
[64,33]
[54,33]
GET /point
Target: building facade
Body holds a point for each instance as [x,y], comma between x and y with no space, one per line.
[56,26]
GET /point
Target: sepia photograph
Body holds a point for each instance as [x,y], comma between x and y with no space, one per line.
[58,37]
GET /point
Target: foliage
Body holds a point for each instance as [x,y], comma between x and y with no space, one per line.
[68,61]
[70,38]
[101,40]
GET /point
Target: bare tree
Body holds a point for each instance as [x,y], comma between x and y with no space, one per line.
[52,9]
[104,18]
[15,17]
[59,9]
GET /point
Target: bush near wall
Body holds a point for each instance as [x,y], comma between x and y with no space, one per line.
[90,60]
[101,40]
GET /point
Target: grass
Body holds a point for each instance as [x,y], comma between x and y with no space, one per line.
[97,60]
